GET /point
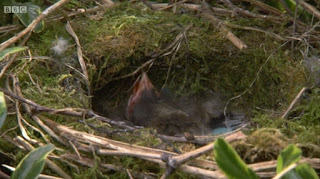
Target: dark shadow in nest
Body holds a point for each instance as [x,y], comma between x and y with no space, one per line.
[197,115]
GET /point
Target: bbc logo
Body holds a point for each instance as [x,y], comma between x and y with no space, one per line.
[15,9]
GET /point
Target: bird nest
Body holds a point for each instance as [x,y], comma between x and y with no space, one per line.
[72,88]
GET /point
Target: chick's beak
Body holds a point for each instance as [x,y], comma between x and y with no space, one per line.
[142,90]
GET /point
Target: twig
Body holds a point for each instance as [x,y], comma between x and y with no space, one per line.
[75,150]
[208,14]
[169,49]
[107,2]
[3,175]
[171,5]
[293,102]
[169,143]
[160,54]
[192,170]
[310,9]
[124,149]
[129,174]
[13,142]
[294,22]
[241,11]
[35,118]
[224,12]
[174,161]
[90,163]
[66,111]
[41,176]
[286,8]
[283,172]
[271,165]
[22,129]
[265,7]
[148,4]
[37,130]
[33,82]
[8,28]
[257,30]
[149,62]
[117,148]
[153,155]
[19,116]
[32,25]
[266,174]
[4,69]
[80,57]
[56,61]
[175,49]
[8,130]
[201,140]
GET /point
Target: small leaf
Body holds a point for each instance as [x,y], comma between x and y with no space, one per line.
[9,51]
[32,164]
[287,157]
[33,11]
[229,161]
[305,171]
[3,109]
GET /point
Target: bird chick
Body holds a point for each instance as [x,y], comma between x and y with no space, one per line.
[146,107]
[141,104]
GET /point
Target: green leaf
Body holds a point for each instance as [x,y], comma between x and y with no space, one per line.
[32,164]
[305,171]
[3,109]
[287,157]
[9,51]
[229,161]
[33,11]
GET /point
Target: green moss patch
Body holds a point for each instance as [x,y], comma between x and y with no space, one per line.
[126,36]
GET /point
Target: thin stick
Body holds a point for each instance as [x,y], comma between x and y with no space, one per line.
[80,56]
[293,102]
[3,175]
[283,172]
[41,176]
[208,14]
[149,62]
[310,9]
[75,150]
[265,7]
[32,25]
[35,118]
[90,163]
[171,5]
[4,69]
[177,160]
[294,24]
[257,30]
[65,111]
[22,129]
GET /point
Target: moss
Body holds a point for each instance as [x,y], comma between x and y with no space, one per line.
[303,127]
[263,144]
[52,31]
[125,37]
[93,172]
[41,83]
